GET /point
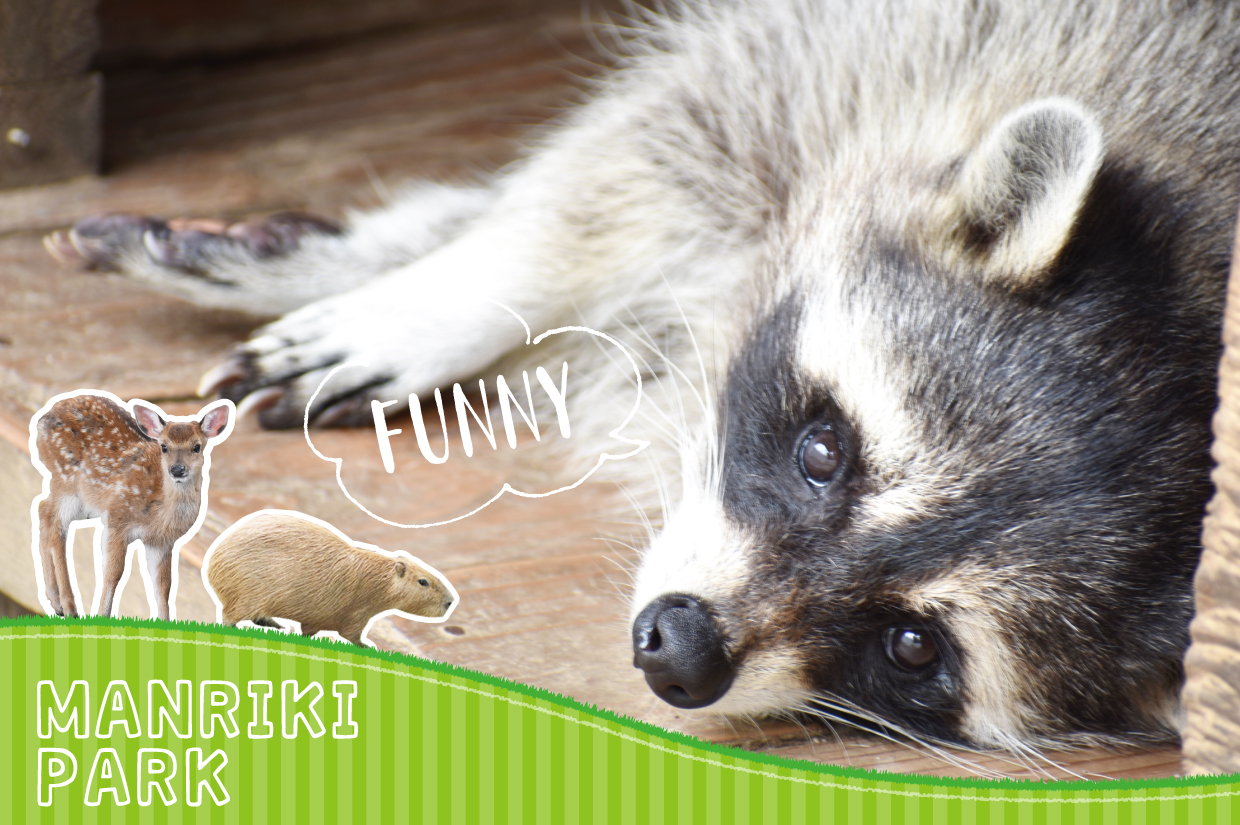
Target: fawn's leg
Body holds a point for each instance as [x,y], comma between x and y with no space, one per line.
[115,545]
[53,532]
[159,569]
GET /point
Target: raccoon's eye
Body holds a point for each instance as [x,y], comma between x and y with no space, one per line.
[163,447]
[911,648]
[424,582]
[197,448]
[820,457]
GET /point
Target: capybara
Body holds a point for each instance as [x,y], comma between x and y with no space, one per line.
[287,565]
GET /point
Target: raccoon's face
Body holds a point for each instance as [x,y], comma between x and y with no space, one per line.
[949,502]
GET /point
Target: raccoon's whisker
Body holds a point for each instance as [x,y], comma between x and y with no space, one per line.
[639,508]
[809,737]
[627,569]
[824,712]
[1026,757]
[667,427]
[697,352]
[935,747]
[623,590]
[673,370]
[1035,753]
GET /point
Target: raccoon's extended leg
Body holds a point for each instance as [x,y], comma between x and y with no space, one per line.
[578,238]
[589,231]
[405,332]
[276,264]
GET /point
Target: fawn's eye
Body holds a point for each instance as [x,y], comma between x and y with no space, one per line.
[197,448]
[163,447]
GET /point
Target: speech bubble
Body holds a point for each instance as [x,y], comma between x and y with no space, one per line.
[545,379]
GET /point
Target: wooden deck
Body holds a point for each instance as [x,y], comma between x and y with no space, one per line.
[325,129]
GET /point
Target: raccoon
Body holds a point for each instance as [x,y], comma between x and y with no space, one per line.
[928,296]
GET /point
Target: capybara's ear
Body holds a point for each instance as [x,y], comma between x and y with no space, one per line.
[214,422]
[149,421]
[400,569]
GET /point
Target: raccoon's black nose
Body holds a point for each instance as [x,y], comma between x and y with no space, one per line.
[678,645]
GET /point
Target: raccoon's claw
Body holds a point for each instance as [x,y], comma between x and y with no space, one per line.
[280,233]
[351,412]
[98,242]
[188,245]
[259,401]
[282,405]
[215,379]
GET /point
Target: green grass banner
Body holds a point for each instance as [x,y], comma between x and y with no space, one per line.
[133,721]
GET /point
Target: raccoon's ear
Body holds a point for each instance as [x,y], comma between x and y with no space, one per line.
[1019,193]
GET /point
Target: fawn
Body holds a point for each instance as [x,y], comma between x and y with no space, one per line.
[140,475]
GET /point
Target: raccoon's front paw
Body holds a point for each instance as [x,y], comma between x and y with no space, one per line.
[133,243]
[277,371]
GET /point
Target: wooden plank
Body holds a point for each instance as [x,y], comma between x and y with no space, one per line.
[46,39]
[49,106]
[135,31]
[300,131]
[49,130]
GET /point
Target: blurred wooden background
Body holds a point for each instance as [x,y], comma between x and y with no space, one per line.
[231,108]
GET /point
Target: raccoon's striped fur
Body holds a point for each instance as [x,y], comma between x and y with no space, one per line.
[937,447]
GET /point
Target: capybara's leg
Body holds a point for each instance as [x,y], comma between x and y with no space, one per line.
[263,621]
[353,632]
[52,553]
[310,630]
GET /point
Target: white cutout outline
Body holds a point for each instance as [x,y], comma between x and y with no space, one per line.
[295,626]
[507,488]
[97,522]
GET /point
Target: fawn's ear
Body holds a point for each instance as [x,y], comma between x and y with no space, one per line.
[214,422]
[149,421]
[400,569]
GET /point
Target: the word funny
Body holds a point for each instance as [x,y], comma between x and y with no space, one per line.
[507,401]
[171,713]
